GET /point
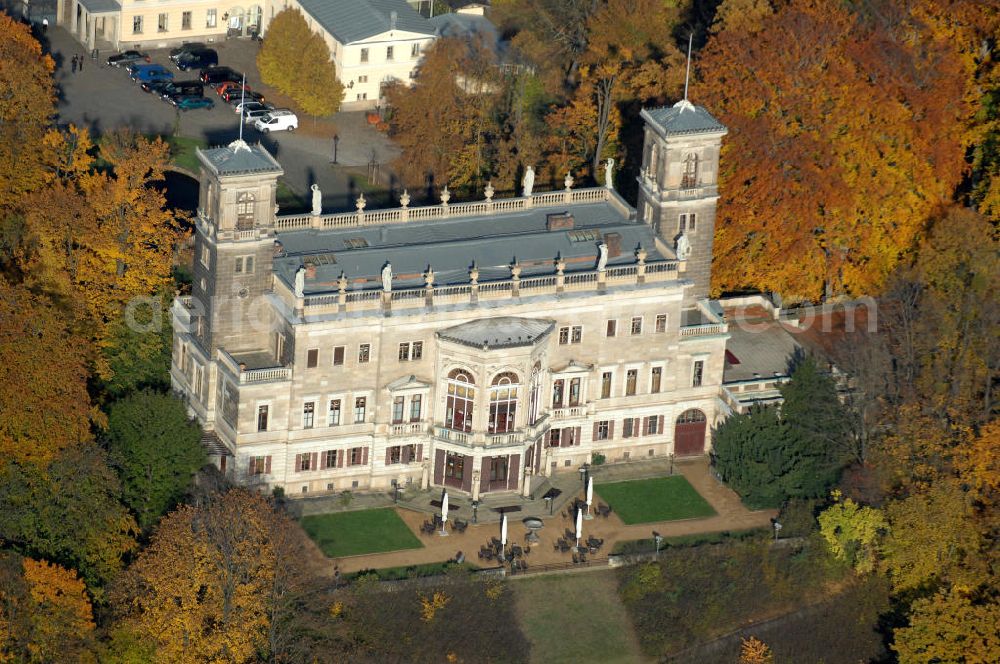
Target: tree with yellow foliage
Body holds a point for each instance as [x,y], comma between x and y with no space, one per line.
[950,626]
[755,651]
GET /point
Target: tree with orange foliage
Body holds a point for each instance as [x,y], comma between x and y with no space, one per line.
[45,613]
[847,131]
[206,587]
[755,651]
[43,379]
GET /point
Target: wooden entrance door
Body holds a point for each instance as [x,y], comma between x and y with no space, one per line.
[689,433]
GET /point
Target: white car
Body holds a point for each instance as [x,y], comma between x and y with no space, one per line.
[277,120]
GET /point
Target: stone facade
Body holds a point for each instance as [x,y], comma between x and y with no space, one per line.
[477,346]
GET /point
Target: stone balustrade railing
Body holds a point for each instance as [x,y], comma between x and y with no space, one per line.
[705,330]
[379,300]
[402,215]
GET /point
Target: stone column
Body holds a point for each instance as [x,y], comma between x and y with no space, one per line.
[560,276]
[515,276]
[476,477]
[474,283]
[640,264]
[404,201]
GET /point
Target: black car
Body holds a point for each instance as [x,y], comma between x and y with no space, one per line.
[127,58]
[237,97]
[183,89]
[216,75]
[186,48]
[156,85]
[200,59]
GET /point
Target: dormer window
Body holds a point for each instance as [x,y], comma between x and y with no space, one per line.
[690,179]
[244,210]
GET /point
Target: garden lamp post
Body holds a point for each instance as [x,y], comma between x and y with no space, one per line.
[475,511]
[336,141]
[395,491]
[777,527]
[658,538]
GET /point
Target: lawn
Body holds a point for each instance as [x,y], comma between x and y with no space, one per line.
[657,499]
[182,151]
[362,531]
[575,618]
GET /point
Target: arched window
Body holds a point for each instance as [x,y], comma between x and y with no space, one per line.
[503,402]
[690,179]
[461,399]
[691,416]
[244,210]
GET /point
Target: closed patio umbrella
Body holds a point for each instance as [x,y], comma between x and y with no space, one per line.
[590,493]
[444,510]
[579,527]
[503,530]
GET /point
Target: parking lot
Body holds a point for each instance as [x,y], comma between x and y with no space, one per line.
[104,98]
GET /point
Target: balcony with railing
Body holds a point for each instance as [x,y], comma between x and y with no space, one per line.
[521,436]
[407,429]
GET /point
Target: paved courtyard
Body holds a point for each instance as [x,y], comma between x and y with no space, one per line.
[102,98]
[730,515]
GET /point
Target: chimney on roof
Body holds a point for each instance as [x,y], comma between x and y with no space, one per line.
[392,19]
[559,221]
[614,242]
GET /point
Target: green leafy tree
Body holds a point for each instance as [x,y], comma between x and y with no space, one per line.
[69,513]
[140,347]
[155,449]
[853,532]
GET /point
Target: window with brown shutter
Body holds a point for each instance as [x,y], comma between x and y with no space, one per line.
[312,358]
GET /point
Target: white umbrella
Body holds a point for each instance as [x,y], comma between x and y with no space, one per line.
[579,527]
[503,530]
[444,510]
[590,492]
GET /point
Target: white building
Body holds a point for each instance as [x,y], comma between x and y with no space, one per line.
[475,346]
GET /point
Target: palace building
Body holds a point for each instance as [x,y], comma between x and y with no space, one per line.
[477,346]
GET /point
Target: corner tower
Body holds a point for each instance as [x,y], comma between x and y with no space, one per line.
[678,184]
[234,244]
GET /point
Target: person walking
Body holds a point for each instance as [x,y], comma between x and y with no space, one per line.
[79,61]
[74,64]
[45,25]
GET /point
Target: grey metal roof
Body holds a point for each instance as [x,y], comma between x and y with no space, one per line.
[353,20]
[502,332]
[683,118]
[762,349]
[240,157]
[465,26]
[451,246]
[101,6]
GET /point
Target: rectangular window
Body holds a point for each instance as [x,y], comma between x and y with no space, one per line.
[498,469]
[631,378]
[612,329]
[338,356]
[210,18]
[364,55]
[333,415]
[558,389]
[389,50]
[637,325]
[577,334]
[661,323]
[687,221]
[136,25]
[357,456]
[364,353]
[395,454]
[238,265]
[416,350]
[312,358]
[262,418]
[359,409]
[205,256]
[629,428]
[415,408]
[303,462]
[606,385]
[415,50]
[248,264]
[555,435]
[362,79]
[696,376]
[398,406]
[603,430]
[404,351]
[563,336]
[574,392]
[330,459]
[161,23]
[260,465]
[308,414]
[185,20]
[655,378]
[652,425]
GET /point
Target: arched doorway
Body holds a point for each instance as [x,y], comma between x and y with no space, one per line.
[689,433]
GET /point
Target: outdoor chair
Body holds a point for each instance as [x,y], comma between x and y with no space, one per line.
[583,557]
[576,559]
[564,547]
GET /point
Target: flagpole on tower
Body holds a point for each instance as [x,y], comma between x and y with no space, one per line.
[687,75]
[243,98]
